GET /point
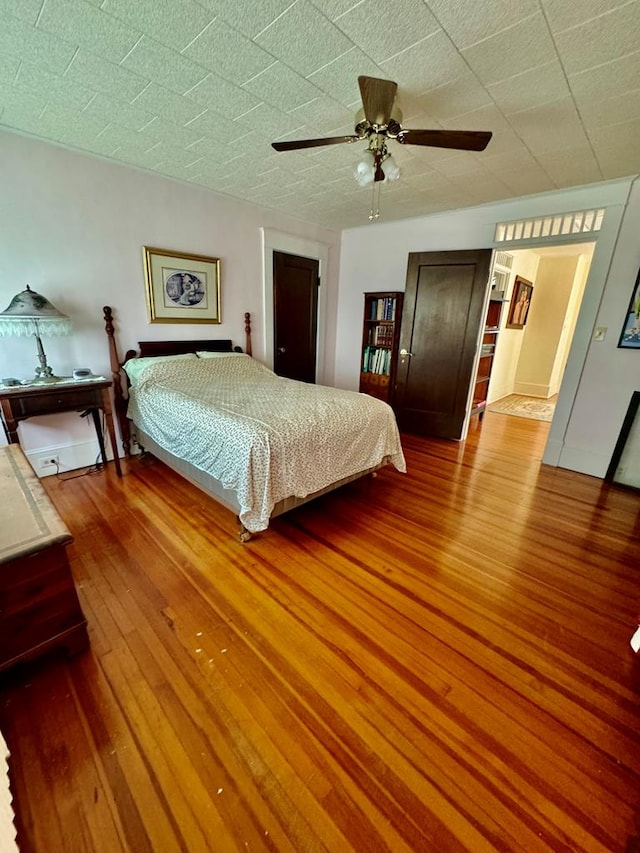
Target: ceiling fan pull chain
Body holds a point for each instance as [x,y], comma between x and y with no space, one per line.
[374,212]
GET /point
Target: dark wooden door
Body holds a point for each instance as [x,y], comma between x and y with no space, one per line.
[295,316]
[444,297]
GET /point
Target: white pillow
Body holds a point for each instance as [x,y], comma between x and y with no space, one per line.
[135,366]
[203,353]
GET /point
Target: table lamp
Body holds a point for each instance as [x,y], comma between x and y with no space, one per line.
[29,313]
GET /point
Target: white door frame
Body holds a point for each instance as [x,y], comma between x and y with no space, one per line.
[605,239]
[279,241]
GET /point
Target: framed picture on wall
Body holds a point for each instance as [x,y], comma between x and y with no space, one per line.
[630,335]
[624,467]
[181,288]
[520,303]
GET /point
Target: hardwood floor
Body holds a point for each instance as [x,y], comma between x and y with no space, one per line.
[436,661]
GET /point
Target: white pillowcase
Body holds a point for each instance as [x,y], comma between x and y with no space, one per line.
[135,366]
[203,353]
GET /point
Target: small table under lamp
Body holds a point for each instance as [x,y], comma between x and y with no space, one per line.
[29,313]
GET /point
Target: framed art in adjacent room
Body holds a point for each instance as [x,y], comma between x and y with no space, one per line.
[520,303]
[181,288]
[630,335]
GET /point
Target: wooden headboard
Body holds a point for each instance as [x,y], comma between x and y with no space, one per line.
[155,348]
[151,348]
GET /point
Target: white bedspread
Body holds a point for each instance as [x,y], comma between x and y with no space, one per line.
[265,437]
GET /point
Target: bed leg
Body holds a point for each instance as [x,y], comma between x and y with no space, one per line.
[243,534]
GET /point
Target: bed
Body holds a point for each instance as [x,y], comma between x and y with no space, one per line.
[258,443]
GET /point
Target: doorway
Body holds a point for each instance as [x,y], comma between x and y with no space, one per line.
[444,299]
[529,362]
[295,316]
[279,241]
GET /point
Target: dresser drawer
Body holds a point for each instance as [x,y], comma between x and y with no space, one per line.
[46,404]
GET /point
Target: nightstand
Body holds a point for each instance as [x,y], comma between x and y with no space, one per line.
[65,395]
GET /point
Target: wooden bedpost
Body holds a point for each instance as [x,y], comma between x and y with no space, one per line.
[120,403]
[247,332]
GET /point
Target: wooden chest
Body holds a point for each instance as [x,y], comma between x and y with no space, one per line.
[39,606]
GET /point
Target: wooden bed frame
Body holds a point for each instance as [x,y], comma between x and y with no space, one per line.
[155,348]
[194,475]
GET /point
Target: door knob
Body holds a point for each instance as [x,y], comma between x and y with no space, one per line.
[282,349]
[404,352]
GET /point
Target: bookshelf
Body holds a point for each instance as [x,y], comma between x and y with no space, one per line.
[487,354]
[380,336]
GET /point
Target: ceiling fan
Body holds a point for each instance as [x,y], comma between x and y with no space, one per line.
[379,120]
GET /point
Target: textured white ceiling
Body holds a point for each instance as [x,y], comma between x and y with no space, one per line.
[198,89]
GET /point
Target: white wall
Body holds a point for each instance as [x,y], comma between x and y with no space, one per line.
[553,284]
[73,228]
[599,378]
[609,374]
[510,341]
[570,320]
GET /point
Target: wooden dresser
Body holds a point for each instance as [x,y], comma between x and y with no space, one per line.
[39,607]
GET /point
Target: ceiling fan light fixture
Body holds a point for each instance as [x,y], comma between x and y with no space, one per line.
[364,172]
[390,169]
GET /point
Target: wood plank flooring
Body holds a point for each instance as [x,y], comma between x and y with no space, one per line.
[436,661]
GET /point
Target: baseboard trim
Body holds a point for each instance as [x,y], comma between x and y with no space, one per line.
[552,452]
[585,462]
[530,389]
[71,456]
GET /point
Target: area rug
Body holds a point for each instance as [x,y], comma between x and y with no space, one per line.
[524,407]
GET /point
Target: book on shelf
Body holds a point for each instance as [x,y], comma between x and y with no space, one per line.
[376,360]
[383,308]
[381,336]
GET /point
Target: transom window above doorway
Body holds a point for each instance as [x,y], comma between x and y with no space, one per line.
[559,225]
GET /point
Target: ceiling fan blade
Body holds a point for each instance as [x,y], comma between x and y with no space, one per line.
[293,144]
[377,99]
[467,140]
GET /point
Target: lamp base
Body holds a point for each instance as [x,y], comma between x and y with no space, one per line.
[45,374]
[44,380]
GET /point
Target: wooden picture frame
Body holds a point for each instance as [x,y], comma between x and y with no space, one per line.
[630,334]
[181,288]
[520,303]
[628,474]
